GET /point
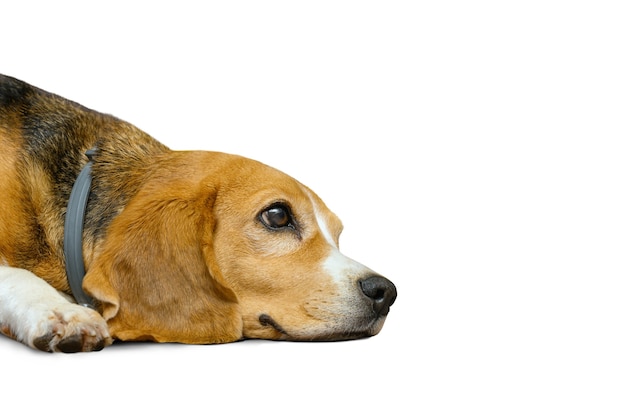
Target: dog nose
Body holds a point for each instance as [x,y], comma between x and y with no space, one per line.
[381,291]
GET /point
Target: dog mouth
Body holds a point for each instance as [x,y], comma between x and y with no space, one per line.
[267,320]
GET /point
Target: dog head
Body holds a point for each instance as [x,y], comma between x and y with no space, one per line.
[216,247]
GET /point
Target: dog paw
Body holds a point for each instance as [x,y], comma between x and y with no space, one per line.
[69,329]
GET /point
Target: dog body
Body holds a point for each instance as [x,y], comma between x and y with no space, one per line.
[179,246]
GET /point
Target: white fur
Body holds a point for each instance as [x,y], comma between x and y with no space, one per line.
[30,309]
[343,269]
[321,222]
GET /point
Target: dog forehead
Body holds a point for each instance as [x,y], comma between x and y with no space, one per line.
[247,181]
[243,172]
[247,185]
[245,176]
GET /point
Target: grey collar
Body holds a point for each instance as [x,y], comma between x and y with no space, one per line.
[73,233]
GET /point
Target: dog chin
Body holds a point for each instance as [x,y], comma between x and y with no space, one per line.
[347,331]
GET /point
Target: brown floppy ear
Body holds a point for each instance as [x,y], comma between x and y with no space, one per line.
[152,276]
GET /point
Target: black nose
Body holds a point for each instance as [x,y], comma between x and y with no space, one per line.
[381,291]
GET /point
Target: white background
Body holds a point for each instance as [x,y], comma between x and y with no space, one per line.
[473,149]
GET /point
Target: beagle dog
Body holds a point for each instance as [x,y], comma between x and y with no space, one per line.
[189,247]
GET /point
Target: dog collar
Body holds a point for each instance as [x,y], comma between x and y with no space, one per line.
[73,233]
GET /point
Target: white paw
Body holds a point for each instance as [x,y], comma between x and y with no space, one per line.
[70,328]
[34,313]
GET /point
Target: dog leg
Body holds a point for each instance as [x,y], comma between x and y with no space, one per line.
[34,313]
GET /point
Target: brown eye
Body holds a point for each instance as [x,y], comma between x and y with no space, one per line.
[276,217]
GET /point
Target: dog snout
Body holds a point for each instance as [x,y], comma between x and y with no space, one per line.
[381,291]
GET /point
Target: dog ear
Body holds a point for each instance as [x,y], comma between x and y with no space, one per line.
[155,276]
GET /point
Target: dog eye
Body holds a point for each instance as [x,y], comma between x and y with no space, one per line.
[276,217]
